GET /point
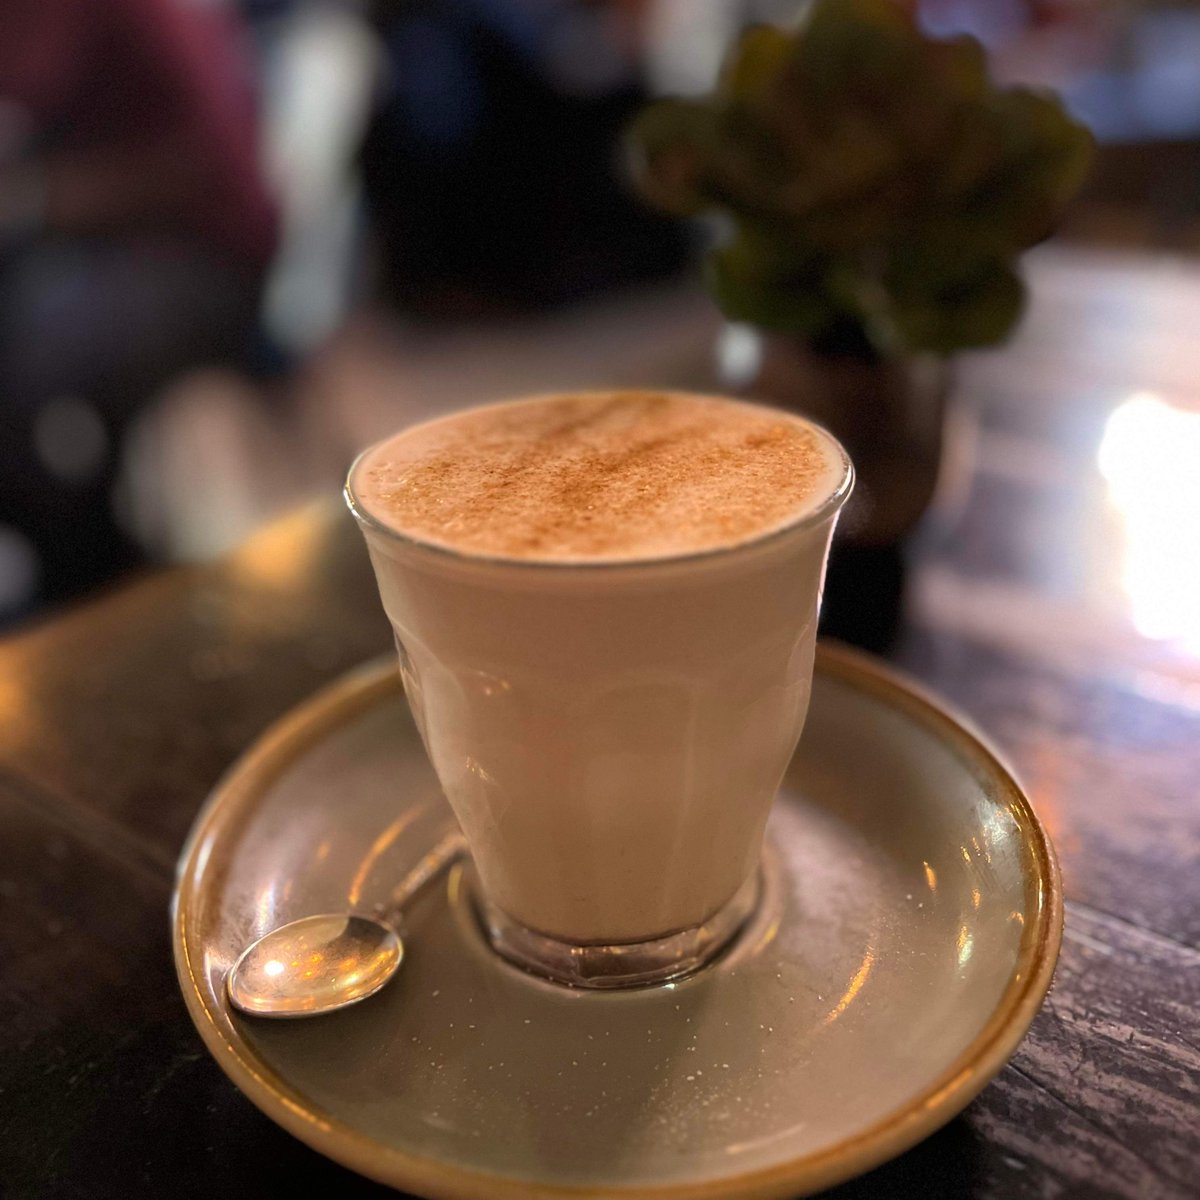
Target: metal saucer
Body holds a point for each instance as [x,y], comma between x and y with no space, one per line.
[910,924]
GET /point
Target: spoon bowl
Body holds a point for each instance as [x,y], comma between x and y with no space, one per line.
[327,961]
[317,964]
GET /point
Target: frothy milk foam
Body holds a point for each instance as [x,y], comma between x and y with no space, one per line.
[608,701]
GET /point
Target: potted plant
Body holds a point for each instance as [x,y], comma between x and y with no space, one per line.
[872,190]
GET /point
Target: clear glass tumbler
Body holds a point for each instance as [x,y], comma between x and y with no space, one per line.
[610,735]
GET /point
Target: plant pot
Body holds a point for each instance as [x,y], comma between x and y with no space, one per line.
[909,445]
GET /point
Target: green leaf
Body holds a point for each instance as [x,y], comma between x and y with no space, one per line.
[753,66]
[979,311]
[670,147]
[853,156]
[845,41]
[973,151]
[1043,158]
[959,65]
[750,285]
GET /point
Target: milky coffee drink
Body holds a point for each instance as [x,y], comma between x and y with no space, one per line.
[605,606]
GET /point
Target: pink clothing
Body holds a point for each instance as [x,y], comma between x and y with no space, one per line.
[115,74]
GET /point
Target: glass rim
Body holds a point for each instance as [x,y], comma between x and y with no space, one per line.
[808,519]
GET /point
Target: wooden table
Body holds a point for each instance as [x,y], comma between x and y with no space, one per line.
[1025,610]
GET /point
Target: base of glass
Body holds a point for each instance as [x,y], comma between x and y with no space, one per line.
[623,964]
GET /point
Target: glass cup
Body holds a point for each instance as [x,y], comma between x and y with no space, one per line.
[610,735]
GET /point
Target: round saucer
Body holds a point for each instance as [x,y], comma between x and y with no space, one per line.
[910,923]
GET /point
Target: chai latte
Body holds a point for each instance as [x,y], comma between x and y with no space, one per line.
[605,606]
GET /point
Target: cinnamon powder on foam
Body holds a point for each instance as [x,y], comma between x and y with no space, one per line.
[625,475]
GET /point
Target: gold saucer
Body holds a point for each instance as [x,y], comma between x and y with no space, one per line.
[909,928]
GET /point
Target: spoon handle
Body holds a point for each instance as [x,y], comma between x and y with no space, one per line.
[428,868]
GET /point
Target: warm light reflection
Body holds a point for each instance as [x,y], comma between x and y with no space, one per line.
[966,943]
[284,554]
[378,848]
[266,906]
[19,710]
[1149,458]
[454,885]
[14,695]
[998,825]
[975,897]
[474,767]
[274,967]
[768,936]
[930,877]
[853,988]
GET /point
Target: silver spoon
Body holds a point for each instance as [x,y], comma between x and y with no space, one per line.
[321,963]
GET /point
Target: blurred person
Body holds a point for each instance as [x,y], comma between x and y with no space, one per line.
[134,234]
[492,162]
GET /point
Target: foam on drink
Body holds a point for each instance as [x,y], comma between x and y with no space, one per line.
[599,476]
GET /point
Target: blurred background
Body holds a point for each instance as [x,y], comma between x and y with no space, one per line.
[241,239]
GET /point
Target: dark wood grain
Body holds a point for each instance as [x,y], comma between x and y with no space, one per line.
[1101,1099]
[134,706]
[117,719]
[1111,772]
[104,1089]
